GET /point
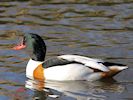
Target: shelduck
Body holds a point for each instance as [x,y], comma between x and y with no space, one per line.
[64,67]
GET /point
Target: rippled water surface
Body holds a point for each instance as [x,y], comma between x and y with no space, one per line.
[94,28]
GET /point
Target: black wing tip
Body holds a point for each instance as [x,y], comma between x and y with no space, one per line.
[112,64]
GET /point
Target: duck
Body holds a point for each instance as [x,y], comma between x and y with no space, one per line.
[68,67]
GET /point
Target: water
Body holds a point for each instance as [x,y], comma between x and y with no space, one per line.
[95,28]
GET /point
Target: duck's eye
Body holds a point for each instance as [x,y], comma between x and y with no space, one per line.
[24,40]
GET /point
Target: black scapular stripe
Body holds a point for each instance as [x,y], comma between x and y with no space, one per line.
[57,62]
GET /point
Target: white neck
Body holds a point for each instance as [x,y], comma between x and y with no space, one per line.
[31,66]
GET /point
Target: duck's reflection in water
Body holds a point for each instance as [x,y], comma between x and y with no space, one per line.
[73,90]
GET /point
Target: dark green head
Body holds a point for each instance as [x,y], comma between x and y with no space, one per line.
[34,45]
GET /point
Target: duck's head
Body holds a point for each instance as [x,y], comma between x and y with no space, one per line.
[34,45]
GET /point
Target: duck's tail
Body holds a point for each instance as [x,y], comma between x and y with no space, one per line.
[114,69]
[120,68]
